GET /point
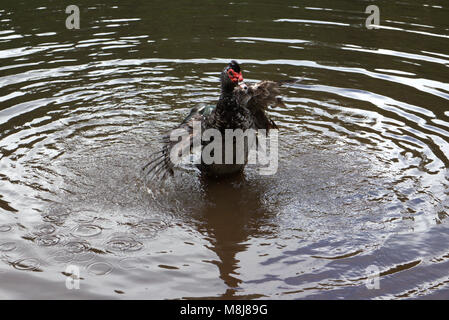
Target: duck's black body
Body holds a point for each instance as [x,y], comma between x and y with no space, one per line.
[239,107]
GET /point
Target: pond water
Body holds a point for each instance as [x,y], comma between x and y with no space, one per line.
[362,183]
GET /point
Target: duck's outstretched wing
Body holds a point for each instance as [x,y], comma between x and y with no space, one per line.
[161,163]
[258,97]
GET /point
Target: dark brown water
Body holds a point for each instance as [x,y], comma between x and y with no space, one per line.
[363,169]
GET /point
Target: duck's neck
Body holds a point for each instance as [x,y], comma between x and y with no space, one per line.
[226,101]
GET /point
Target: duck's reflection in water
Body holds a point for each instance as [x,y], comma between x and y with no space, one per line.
[233,213]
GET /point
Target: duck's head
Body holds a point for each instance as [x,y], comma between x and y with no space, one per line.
[231,76]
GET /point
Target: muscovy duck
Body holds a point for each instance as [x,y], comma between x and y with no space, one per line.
[240,106]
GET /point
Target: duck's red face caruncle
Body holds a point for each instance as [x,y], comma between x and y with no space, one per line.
[235,77]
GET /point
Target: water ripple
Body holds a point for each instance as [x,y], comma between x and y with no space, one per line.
[75,246]
[27,264]
[7,246]
[100,268]
[363,153]
[87,230]
[123,243]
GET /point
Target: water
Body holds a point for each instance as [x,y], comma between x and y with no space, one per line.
[363,169]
